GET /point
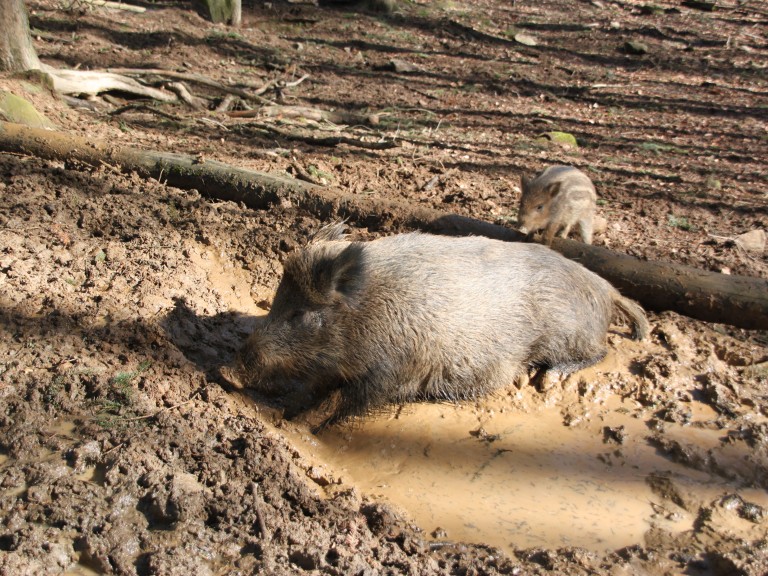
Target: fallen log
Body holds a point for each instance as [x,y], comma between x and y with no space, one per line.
[736,300]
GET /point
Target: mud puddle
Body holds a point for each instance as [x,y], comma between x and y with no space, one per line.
[492,474]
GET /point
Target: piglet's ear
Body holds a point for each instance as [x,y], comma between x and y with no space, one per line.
[525,182]
[552,190]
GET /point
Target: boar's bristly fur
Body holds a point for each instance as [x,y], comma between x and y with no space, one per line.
[417,316]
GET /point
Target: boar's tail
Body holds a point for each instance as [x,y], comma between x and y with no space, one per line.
[635,313]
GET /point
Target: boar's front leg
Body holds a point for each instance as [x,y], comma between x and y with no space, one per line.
[379,387]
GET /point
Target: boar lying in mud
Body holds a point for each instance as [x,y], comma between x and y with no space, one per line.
[418,316]
[556,200]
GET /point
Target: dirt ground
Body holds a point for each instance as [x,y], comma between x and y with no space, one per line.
[123,452]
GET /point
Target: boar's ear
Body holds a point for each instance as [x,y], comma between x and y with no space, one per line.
[525,182]
[552,190]
[349,271]
[339,274]
[330,232]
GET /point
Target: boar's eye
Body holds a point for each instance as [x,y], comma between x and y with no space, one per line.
[540,207]
[296,316]
[305,319]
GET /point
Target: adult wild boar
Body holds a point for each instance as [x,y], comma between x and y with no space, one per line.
[416,316]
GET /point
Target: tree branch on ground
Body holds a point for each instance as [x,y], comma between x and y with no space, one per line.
[316,114]
[112,5]
[145,108]
[319,141]
[74,82]
[198,79]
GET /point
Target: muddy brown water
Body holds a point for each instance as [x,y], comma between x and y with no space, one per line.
[489,473]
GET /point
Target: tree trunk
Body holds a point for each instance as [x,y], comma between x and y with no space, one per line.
[237,14]
[17,53]
[222,11]
[735,300]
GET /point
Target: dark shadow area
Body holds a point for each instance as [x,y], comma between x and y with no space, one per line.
[211,343]
[206,341]
[228,44]
[447,27]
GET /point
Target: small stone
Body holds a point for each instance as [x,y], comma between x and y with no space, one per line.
[565,139]
[635,47]
[753,241]
[526,39]
[320,476]
[402,66]
[439,534]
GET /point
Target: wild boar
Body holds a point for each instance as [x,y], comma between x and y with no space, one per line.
[556,200]
[416,316]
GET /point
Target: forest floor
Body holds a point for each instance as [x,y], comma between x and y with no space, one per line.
[123,452]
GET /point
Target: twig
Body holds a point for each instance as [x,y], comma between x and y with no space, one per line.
[295,83]
[598,86]
[210,122]
[723,238]
[227,103]
[488,462]
[302,174]
[326,141]
[146,108]
[257,502]
[115,447]
[316,114]
[262,525]
[279,84]
[166,409]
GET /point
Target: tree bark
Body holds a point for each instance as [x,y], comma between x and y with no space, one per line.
[223,11]
[237,14]
[735,300]
[17,52]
